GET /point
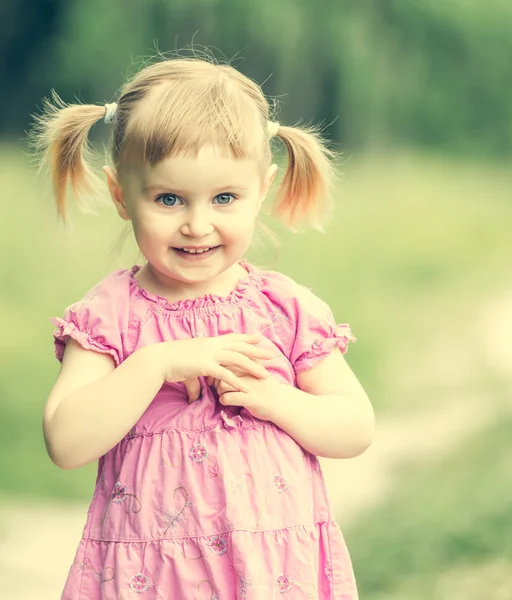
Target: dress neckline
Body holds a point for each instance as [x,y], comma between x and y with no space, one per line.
[205,302]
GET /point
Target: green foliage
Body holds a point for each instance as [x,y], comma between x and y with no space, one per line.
[378,72]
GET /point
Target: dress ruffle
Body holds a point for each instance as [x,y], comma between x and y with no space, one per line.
[299,562]
[202,303]
[68,329]
[321,347]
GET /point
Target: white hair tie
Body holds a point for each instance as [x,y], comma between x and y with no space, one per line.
[110,112]
[273,128]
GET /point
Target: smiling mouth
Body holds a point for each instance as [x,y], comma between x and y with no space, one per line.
[196,250]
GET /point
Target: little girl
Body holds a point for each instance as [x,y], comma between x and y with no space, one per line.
[205,386]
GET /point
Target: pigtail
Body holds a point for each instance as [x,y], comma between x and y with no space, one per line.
[304,194]
[60,140]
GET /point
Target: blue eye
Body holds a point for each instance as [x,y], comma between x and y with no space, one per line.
[224,199]
[168,199]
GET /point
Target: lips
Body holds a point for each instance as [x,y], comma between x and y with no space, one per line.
[196,250]
[196,253]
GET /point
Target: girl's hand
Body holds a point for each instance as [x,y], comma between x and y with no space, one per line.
[216,357]
[258,400]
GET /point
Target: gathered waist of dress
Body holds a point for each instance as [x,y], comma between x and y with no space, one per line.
[186,421]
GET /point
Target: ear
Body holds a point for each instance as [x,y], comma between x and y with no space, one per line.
[267,181]
[117,193]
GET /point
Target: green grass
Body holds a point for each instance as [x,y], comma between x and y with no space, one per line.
[413,248]
[442,519]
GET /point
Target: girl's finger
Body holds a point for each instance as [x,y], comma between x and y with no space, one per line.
[248,338]
[222,387]
[254,351]
[193,387]
[231,399]
[225,375]
[246,365]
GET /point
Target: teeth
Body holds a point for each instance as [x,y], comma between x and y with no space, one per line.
[196,251]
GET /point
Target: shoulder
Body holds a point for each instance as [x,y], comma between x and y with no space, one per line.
[99,321]
[111,291]
[291,296]
[302,318]
[109,300]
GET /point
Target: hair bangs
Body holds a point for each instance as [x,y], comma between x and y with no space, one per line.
[181,119]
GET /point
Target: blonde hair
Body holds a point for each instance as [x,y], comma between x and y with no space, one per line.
[176,106]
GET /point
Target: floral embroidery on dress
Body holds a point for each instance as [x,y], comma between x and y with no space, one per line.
[213,595]
[191,557]
[280,483]
[118,496]
[214,471]
[104,575]
[174,518]
[278,315]
[119,493]
[245,584]
[217,544]
[236,485]
[246,580]
[85,564]
[198,453]
[139,583]
[317,344]
[284,584]
[177,517]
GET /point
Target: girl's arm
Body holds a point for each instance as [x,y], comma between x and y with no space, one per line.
[330,415]
[93,404]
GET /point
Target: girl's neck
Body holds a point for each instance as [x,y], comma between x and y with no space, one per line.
[175,291]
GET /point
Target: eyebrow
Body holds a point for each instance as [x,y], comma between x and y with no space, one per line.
[164,187]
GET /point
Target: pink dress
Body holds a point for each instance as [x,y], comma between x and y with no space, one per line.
[201,501]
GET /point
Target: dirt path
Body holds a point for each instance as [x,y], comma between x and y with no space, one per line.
[358,484]
[38,541]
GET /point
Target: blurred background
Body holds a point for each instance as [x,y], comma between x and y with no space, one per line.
[417,96]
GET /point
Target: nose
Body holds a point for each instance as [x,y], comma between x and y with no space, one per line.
[197,223]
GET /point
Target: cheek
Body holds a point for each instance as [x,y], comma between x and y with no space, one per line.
[243,222]
[149,232]
[239,227]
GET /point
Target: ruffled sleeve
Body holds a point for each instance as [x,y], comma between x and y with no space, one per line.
[317,334]
[304,324]
[94,323]
[337,336]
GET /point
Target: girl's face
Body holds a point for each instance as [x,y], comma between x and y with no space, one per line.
[193,217]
